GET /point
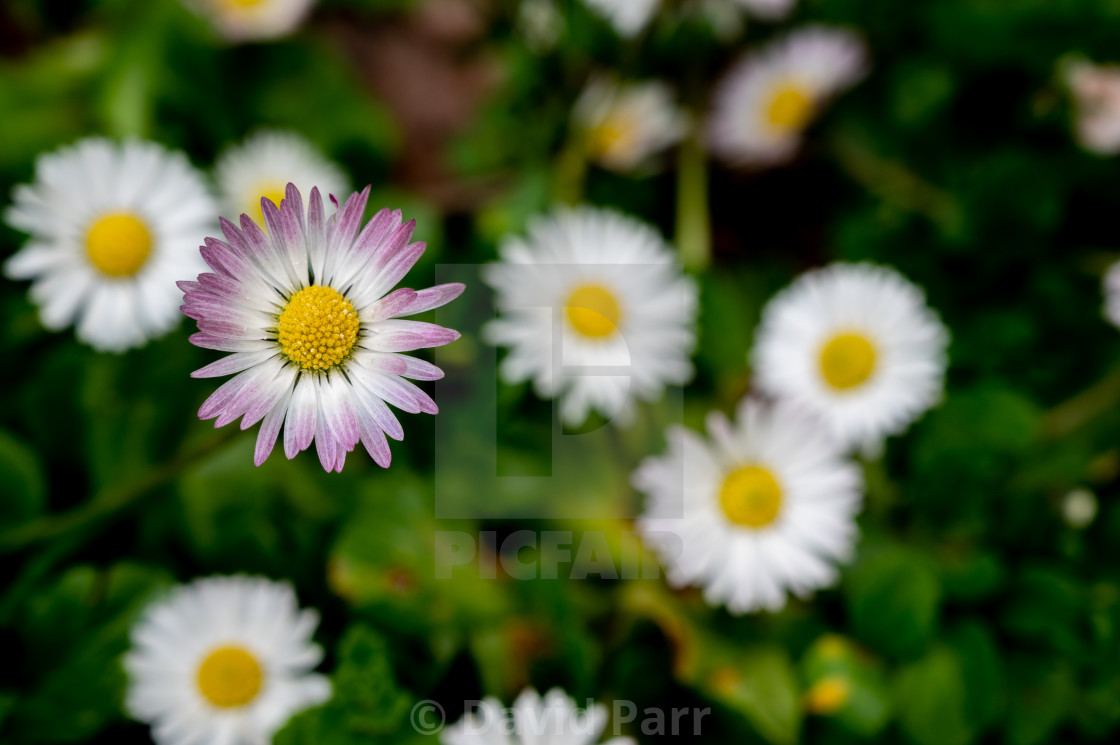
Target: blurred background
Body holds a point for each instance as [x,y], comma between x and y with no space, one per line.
[984,605]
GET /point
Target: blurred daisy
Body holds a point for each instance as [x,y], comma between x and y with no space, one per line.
[316,339]
[628,17]
[857,345]
[265,163]
[249,20]
[623,125]
[223,660]
[112,226]
[767,99]
[603,290]
[541,24]
[552,718]
[1079,508]
[1096,98]
[761,509]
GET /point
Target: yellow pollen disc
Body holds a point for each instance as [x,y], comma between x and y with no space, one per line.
[751,497]
[593,311]
[615,133]
[847,361]
[118,244]
[790,108]
[230,677]
[244,3]
[317,328]
[273,193]
[828,695]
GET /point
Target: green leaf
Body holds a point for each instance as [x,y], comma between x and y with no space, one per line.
[24,484]
[893,596]
[758,682]
[931,700]
[1046,607]
[981,672]
[367,706]
[1042,693]
[847,685]
[365,685]
[73,635]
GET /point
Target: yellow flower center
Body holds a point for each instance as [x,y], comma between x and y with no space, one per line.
[847,360]
[593,311]
[751,497]
[790,108]
[118,244]
[317,328]
[244,3]
[828,695]
[272,192]
[230,677]
[616,132]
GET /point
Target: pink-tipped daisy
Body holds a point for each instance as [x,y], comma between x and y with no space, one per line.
[316,335]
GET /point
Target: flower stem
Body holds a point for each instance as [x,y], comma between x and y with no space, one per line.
[570,174]
[895,184]
[694,231]
[108,501]
[1072,414]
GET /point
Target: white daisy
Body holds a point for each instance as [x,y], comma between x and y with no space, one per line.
[248,20]
[762,508]
[541,24]
[263,166]
[112,226]
[1096,98]
[315,332]
[1079,508]
[223,661]
[857,345]
[552,718]
[767,99]
[621,126]
[628,17]
[604,292]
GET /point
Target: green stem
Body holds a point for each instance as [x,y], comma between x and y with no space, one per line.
[109,500]
[882,493]
[570,174]
[694,231]
[894,183]
[1071,415]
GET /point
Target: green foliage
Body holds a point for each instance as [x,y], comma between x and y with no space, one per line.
[367,702]
[893,597]
[972,612]
[72,635]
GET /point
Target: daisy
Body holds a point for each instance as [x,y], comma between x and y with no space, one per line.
[767,99]
[763,507]
[604,293]
[628,17]
[248,20]
[857,345]
[316,340]
[552,718]
[623,125]
[1096,97]
[112,226]
[223,660]
[1079,508]
[265,163]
